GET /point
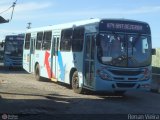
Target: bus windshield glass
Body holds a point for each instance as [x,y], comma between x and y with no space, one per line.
[14,47]
[125,50]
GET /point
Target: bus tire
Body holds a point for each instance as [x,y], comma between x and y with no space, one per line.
[37,73]
[75,83]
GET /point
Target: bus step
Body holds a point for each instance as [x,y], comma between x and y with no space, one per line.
[54,79]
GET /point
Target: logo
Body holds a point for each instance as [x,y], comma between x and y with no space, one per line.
[9,117]
[4,116]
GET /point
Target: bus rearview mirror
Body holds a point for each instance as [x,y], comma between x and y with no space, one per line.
[2,44]
[153,51]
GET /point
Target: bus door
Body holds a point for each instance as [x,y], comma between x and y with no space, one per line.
[54,58]
[89,60]
[32,51]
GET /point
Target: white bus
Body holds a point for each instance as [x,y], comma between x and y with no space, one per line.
[97,54]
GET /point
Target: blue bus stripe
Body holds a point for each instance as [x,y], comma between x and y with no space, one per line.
[62,67]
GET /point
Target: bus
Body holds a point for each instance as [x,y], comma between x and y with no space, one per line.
[112,55]
[1,52]
[13,50]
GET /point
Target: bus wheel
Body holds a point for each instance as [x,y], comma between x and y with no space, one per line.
[75,83]
[37,73]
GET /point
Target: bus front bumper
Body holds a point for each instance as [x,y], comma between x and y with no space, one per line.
[111,86]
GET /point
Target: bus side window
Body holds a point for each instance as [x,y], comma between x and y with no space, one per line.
[47,40]
[39,40]
[27,41]
[78,38]
[65,44]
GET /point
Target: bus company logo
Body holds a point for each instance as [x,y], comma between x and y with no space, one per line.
[4,116]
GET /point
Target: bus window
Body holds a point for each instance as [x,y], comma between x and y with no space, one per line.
[39,40]
[141,51]
[27,40]
[65,44]
[144,44]
[78,38]
[47,40]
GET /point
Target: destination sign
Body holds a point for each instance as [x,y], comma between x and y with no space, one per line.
[14,38]
[124,26]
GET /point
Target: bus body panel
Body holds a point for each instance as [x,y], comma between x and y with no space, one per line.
[26,59]
[42,59]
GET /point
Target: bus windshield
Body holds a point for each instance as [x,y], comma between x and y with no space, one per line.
[125,50]
[14,48]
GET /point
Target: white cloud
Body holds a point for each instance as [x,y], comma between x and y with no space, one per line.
[31,6]
[24,11]
[2,2]
[142,10]
[100,13]
[24,7]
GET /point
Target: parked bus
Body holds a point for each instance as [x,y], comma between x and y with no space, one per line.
[1,52]
[13,50]
[111,55]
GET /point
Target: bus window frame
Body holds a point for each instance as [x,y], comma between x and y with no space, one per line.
[66,42]
[38,41]
[46,41]
[27,40]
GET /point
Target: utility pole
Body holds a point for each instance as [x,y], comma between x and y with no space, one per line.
[29,25]
[14,3]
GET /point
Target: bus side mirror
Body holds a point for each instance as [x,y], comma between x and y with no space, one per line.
[153,51]
[98,40]
[2,44]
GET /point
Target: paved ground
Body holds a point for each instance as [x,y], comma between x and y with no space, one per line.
[21,94]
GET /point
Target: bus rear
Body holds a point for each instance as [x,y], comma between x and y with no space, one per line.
[13,50]
[123,56]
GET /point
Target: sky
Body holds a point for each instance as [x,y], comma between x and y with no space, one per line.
[50,12]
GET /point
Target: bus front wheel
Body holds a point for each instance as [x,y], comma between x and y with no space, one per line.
[75,83]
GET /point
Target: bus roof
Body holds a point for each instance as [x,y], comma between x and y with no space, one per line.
[65,25]
[78,23]
[13,35]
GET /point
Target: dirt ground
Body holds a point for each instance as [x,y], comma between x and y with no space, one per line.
[21,94]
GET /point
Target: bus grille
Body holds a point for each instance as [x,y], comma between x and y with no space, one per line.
[118,72]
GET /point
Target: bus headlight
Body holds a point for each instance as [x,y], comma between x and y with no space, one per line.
[103,75]
[146,74]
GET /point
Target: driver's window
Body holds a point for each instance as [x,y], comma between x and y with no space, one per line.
[145,45]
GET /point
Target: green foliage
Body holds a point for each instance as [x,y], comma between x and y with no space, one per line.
[156,58]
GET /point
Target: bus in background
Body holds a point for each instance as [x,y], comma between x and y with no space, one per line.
[13,50]
[111,55]
[1,51]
